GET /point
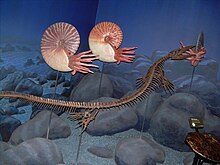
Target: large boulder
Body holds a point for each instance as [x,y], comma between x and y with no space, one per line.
[112,121]
[37,151]
[145,110]
[120,86]
[7,125]
[37,127]
[138,151]
[204,89]
[4,146]
[90,88]
[211,124]
[169,125]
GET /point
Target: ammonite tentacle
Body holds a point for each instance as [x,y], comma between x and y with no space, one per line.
[103,38]
[58,42]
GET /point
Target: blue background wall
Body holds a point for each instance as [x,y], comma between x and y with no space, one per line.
[149,24]
[160,24]
[24,21]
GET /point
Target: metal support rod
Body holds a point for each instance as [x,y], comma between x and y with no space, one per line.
[79,145]
[145,111]
[193,72]
[100,81]
[48,128]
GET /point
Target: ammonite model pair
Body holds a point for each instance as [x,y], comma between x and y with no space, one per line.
[61,40]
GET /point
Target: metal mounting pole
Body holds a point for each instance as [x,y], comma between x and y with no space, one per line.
[78,148]
[193,72]
[100,82]
[48,128]
[145,111]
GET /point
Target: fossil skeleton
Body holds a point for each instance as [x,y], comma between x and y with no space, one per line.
[154,79]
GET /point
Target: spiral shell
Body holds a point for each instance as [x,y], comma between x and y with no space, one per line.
[59,40]
[98,40]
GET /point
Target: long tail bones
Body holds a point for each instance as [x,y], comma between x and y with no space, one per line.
[85,112]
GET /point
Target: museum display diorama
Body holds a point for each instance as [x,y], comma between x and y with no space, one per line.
[109,83]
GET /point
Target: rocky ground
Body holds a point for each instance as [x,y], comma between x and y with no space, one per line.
[114,137]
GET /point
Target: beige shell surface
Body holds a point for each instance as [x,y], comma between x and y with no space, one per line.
[57,42]
[97,40]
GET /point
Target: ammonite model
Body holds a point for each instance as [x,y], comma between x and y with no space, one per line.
[59,43]
[105,39]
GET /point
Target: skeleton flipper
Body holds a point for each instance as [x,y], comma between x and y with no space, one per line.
[167,85]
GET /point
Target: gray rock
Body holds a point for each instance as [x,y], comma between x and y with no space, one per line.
[145,110]
[120,86]
[202,88]
[12,80]
[32,75]
[3,73]
[51,75]
[66,83]
[88,88]
[207,67]
[211,124]
[157,54]
[23,48]
[37,151]
[112,121]
[169,125]
[1,60]
[102,152]
[142,64]
[22,111]
[137,151]
[11,110]
[2,112]
[8,48]
[61,79]
[29,62]
[7,125]
[27,86]
[42,80]
[11,69]
[40,60]
[188,159]
[200,85]
[66,92]
[4,146]
[37,127]
[75,164]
